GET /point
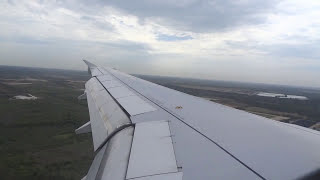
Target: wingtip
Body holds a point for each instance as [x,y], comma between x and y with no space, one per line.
[89,64]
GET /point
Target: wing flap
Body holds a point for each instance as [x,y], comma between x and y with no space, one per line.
[114,165]
[152,150]
[99,130]
[105,114]
[170,176]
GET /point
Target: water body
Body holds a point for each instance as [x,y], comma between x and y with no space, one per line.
[28,97]
[283,96]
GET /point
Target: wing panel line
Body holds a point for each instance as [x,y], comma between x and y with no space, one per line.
[114,132]
[229,153]
[125,111]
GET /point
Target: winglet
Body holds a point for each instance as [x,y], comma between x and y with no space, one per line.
[92,68]
[89,64]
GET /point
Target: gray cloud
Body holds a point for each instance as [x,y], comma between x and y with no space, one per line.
[197,15]
[67,54]
[24,40]
[307,50]
[165,37]
[184,15]
[226,40]
[99,24]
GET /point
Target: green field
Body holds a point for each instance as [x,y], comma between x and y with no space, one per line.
[37,139]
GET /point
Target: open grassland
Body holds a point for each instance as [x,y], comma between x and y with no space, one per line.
[37,139]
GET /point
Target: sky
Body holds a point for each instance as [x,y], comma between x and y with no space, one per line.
[264,41]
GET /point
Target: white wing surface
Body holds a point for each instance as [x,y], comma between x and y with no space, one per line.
[144,131]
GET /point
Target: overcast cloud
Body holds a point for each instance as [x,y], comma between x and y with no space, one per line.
[244,40]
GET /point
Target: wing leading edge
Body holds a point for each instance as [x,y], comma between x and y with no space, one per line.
[198,140]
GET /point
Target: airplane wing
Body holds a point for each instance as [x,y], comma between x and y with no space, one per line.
[144,131]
